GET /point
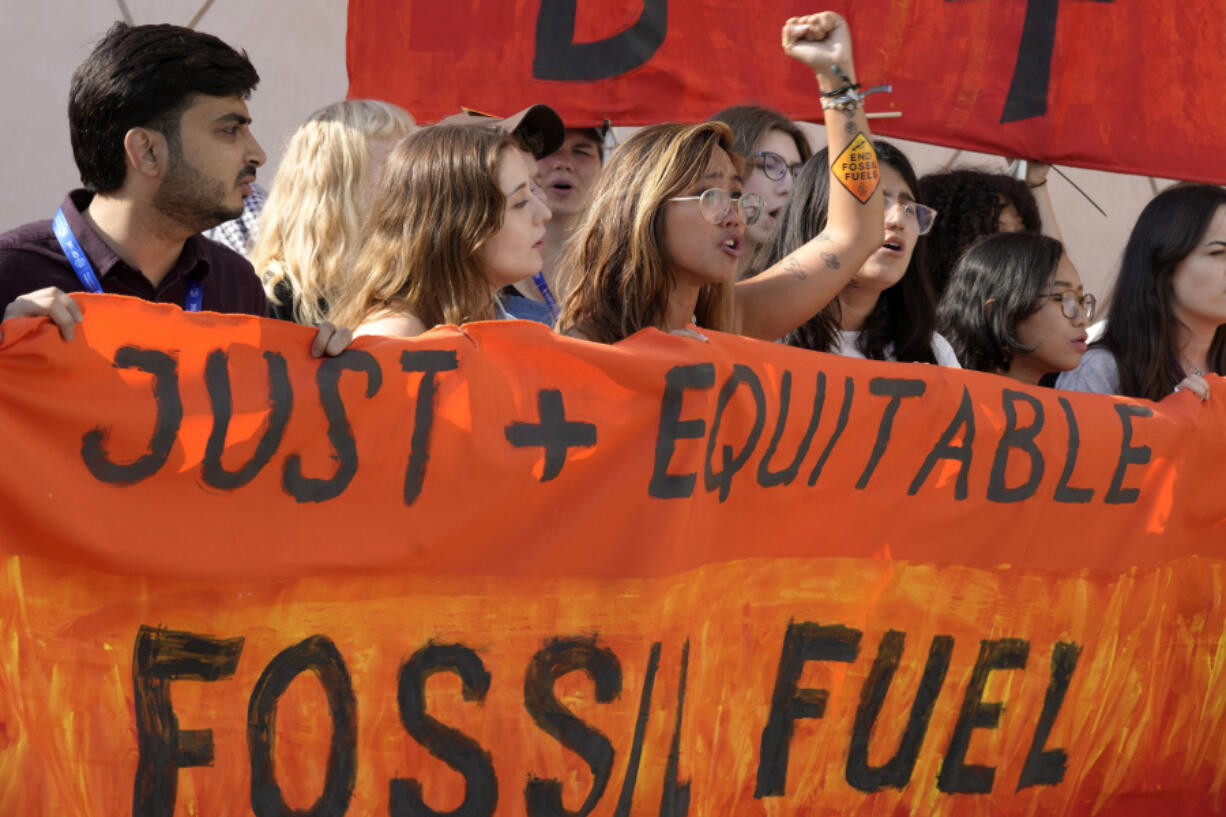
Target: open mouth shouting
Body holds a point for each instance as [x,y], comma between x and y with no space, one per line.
[731,245]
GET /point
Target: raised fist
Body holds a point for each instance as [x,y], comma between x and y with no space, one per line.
[820,41]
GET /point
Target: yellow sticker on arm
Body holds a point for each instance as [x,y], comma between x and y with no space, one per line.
[856,168]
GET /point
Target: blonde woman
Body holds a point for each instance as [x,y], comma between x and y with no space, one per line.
[454,221]
[661,243]
[311,225]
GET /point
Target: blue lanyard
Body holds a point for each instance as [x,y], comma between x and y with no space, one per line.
[85,271]
[542,286]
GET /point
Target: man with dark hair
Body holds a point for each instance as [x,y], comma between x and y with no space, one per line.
[159,126]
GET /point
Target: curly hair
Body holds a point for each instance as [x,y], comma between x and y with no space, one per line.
[904,315]
[970,203]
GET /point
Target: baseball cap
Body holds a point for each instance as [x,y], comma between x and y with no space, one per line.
[541,120]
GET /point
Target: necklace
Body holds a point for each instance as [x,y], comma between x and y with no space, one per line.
[1189,369]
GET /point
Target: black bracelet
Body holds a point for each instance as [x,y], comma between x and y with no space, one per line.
[1040,184]
[851,86]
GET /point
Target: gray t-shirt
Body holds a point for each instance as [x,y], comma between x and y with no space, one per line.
[1097,373]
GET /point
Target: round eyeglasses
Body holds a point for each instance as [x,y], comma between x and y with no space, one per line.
[715,204]
[1070,301]
[774,166]
[921,215]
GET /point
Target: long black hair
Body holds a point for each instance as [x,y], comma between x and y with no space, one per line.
[1141,321]
[995,285]
[905,314]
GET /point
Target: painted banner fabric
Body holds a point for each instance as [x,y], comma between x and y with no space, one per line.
[497,571]
[1107,84]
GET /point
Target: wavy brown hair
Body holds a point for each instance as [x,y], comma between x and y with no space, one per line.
[619,271]
[438,202]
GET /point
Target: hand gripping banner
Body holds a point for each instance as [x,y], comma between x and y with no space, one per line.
[497,571]
[1125,85]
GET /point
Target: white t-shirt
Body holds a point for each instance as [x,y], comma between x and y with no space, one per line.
[1097,373]
[941,350]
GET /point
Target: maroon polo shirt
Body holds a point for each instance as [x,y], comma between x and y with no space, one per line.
[31,259]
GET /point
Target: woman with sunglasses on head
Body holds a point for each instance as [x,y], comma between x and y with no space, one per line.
[773,149]
[419,270]
[1166,326]
[886,311]
[661,243]
[1015,306]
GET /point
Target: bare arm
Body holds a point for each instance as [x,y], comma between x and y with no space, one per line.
[787,294]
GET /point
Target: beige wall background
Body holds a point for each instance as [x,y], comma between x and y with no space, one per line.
[298,46]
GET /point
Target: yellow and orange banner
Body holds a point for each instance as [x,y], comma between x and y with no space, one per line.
[497,571]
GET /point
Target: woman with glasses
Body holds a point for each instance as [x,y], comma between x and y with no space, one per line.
[1015,306]
[454,221]
[1165,326]
[886,311]
[662,240]
[773,149]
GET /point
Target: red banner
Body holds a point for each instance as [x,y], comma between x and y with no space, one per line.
[497,571]
[1123,85]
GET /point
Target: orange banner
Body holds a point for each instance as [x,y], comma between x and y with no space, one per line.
[496,571]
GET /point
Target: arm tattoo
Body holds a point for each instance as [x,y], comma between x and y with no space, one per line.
[851,128]
[793,266]
[832,260]
[822,237]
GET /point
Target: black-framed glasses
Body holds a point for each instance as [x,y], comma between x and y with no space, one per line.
[1070,302]
[715,203]
[774,166]
[921,215]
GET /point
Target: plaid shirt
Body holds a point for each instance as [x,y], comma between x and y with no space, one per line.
[239,234]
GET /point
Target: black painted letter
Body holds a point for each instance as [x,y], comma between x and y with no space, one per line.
[319,655]
[730,463]
[896,772]
[340,434]
[429,363]
[559,657]
[664,485]
[1046,767]
[165,371]
[1130,454]
[945,449]
[803,642]
[1065,493]
[559,57]
[162,656]
[956,776]
[448,744]
[896,388]
[1021,439]
[280,404]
